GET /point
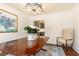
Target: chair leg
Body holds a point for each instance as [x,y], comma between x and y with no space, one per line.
[72,45]
[57,41]
[66,42]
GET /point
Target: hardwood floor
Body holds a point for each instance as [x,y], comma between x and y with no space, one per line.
[70,51]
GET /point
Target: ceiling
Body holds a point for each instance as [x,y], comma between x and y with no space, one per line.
[48,7]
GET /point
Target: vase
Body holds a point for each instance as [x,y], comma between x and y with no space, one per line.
[31,38]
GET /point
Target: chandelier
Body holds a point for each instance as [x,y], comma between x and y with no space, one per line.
[34,8]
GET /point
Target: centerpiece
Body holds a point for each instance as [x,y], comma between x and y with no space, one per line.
[31,34]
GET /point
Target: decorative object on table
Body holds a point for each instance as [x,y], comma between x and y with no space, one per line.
[32,33]
[8,22]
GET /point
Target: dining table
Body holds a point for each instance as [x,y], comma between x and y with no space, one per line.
[25,47]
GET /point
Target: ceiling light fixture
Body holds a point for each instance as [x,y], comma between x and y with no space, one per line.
[34,8]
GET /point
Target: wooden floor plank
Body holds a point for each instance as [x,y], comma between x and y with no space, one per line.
[70,51]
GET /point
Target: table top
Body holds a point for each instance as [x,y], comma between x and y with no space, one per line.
[24,46]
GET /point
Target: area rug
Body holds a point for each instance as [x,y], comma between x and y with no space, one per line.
[51,51]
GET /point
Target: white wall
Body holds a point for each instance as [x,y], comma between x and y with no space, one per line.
[22,21]
[54,22]
[76,26]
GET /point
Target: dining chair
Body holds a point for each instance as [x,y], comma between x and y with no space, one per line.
[67,37]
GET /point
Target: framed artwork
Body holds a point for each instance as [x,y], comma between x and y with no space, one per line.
[8,22]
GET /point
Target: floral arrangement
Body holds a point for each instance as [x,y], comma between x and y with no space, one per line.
[31,29]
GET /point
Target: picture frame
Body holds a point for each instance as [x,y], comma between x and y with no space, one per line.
[8,22]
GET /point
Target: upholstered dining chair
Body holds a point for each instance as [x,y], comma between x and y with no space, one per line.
[67,37]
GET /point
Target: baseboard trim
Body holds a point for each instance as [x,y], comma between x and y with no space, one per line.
[53,44]
[50,44]
[75,51]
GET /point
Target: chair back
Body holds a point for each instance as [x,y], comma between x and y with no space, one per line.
[68,33]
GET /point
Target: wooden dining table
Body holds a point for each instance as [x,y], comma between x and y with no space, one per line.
[25,47]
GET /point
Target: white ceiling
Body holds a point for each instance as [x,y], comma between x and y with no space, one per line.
[48,7]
